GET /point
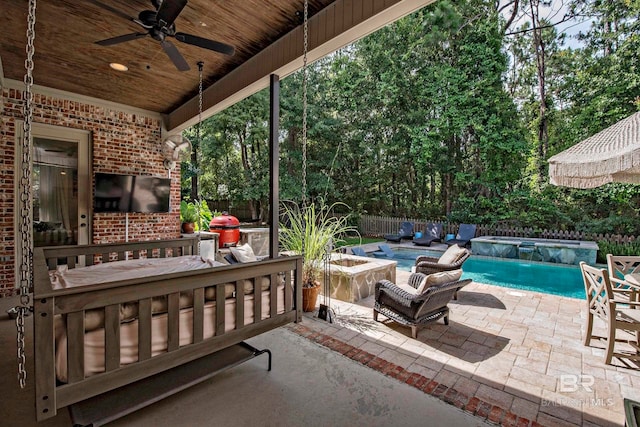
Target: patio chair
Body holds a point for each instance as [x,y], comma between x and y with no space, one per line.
[423,300]
[385,251]
[451,259]
[466,232]
[405,232]
[624,273]
[618,314]
[358,251]
[432,233]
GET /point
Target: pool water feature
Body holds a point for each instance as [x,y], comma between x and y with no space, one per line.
[556,279]
[548,250]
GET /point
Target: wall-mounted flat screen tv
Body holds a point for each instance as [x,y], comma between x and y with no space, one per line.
[128,193]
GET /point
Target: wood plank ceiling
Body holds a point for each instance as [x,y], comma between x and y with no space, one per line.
[67,58]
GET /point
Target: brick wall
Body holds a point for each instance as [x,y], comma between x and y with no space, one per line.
[123,142]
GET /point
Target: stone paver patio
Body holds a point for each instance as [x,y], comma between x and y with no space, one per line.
[512,357]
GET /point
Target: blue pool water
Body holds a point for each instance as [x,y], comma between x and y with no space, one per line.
[544,277]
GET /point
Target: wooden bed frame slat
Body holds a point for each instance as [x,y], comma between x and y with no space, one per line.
[257,303]
[198,315]
[72,303]
[112,337]
[144,329]
[220,310]
[239,304]
[173,321]
[274,295]
[45,375]
[75,346]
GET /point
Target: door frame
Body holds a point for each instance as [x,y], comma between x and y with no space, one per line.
[85,167]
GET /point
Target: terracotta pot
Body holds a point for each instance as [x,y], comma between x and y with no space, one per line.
[309,297]
[188,227]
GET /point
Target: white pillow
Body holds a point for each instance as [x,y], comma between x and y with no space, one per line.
[451,255]
[243,253]
[439,279]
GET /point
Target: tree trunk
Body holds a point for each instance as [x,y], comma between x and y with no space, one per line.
[539,46]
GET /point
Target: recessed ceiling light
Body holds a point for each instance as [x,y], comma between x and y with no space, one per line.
[118,67]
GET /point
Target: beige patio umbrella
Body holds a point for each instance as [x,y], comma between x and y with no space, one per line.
[612,155]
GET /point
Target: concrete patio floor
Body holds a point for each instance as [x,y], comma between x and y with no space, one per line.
[308,386]
[511,357]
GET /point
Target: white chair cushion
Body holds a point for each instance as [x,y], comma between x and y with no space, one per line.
[451,255]
[438,279]
[243,253]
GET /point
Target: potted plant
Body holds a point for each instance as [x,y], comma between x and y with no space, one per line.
[311,231]
[195,216]
[188,216]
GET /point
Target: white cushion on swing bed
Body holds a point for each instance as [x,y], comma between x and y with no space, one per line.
[128,269]
[94,341]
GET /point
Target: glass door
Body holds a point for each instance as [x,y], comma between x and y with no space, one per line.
[55,192]
[61,186]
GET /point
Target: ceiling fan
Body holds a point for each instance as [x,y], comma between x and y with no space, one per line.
[159,24]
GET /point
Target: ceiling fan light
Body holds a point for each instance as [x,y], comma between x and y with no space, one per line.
[118,67]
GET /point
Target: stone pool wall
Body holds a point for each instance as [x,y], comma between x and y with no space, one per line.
[547,250]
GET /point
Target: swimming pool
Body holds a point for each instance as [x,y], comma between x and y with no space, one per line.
[563,280]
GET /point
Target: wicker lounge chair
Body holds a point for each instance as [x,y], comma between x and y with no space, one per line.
[466,232]
[603,302]
[417,303]
[432,233]
[451,259]
[406,232]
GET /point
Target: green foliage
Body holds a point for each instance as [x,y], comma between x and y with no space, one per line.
[621,249]
[437,116]
[311,231]
[197,212]
[188,212]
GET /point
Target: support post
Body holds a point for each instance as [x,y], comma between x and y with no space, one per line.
[274,166]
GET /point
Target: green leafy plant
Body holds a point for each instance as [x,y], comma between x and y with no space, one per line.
[310,231]
[205,214]
[197,212]
[622,249]
[188,212]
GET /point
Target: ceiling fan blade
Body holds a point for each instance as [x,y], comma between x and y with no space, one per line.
[172,52]
[205,43]
[112,10]
[121,39]
[169,11]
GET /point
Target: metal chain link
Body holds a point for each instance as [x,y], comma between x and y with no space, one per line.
[304,101]
[200,67]
[26,225]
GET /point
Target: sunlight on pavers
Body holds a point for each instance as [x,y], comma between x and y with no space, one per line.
[507,356]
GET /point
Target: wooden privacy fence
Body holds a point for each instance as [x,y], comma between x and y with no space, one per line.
[371,225]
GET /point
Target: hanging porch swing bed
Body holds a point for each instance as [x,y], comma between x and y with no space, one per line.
[96,332]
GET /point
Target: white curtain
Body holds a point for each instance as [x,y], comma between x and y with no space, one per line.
[56,195]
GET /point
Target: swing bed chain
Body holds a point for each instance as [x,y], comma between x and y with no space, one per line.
[198,140]
[26,270]
[304,101]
